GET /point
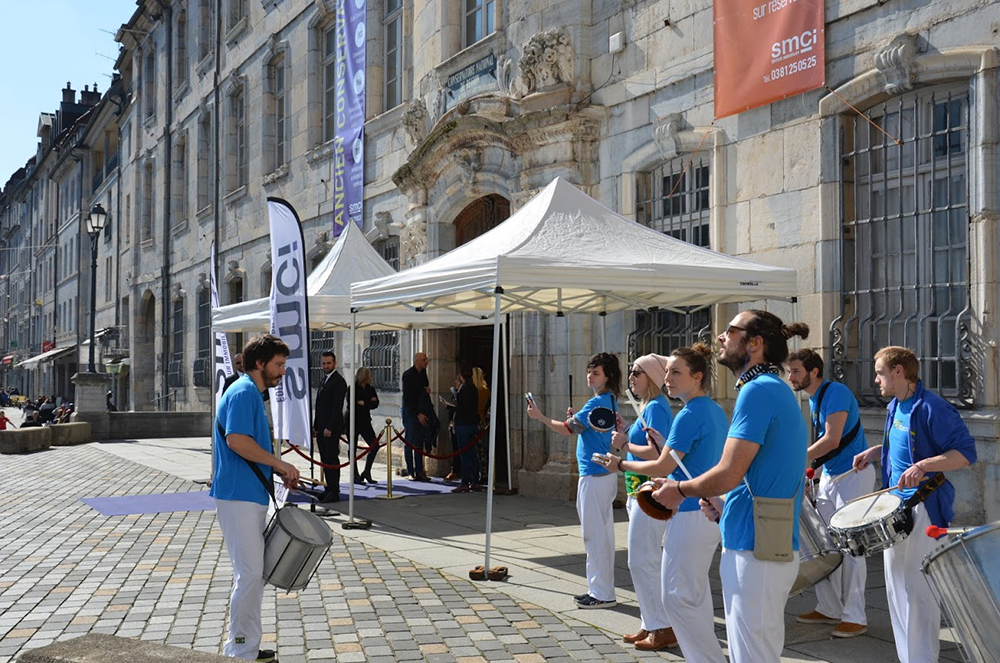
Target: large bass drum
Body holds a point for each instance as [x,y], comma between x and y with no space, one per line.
[965,575]
[295,542]
[818,556]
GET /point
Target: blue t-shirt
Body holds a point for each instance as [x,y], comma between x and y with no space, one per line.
[241,410]
[768,414]
[900,457]
[699,432]
[838,398]
[590,441]
[658,416]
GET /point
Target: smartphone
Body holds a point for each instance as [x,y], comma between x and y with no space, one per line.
[528,397]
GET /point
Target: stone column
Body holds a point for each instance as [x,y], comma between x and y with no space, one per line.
[91,402]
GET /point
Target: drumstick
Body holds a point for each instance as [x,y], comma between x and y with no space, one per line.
[934,531]
[877,492]
[842,476]
[680,464]
[638,411]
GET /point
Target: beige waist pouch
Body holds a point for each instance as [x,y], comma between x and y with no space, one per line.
[773,524]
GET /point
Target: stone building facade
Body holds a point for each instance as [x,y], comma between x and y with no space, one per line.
[882,190]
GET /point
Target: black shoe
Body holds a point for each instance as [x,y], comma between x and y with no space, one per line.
[580,597]
[265,656]
[590,603]
[328,497]
[359,479]
[368,477]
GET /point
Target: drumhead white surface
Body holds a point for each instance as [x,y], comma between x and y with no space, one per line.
[850,515]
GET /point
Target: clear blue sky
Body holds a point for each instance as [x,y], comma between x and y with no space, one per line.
[46,43]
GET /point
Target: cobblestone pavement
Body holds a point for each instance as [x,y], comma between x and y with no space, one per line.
[67,570]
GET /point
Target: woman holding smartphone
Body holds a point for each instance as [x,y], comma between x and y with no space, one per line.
[597,487]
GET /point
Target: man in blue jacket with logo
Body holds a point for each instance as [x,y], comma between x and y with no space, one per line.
[924,436]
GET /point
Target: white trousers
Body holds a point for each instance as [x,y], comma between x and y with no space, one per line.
[645,554]
[755,593]
[687,555]
[243,526]
[915,613]
[841,595]
[594,497]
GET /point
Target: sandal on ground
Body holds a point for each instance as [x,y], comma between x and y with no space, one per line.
[498,573]
[478,573]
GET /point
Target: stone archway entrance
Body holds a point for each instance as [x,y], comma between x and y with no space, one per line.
[475,344]
[143,355]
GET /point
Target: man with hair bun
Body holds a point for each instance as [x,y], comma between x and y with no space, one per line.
[762,473]
[838,437]
[924,437]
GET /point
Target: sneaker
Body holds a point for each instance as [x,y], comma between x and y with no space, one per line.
[265,656]
[580,597]
[816,617]
[849,630]
[590,603]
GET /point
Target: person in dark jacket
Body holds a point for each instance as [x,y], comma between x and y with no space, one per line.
[416,420]
[366,400]
[328,422]
[466,425]
[237,372]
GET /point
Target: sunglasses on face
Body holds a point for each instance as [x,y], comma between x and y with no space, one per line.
[635,372]
[733,328]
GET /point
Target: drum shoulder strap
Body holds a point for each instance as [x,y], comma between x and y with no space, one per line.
[844,441]
[253,466]
[925,490]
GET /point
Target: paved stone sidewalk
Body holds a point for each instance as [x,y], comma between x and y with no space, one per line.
[66,570]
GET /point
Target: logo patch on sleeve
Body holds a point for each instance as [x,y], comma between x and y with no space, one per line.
[241,640]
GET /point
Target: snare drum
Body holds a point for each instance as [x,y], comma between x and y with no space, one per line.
[965,576]
[871,524]
[818,556]
[295,542]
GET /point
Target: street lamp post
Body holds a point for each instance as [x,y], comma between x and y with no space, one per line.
[95,224]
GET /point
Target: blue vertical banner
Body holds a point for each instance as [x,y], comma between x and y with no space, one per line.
[349,139]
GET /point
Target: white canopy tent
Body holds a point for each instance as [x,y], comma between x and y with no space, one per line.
[564,252]
[351,259]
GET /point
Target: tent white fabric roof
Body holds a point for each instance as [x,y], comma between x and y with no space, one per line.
[564,251]
[352,258]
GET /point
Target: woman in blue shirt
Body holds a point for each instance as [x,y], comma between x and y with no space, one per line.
[697,436]
[596,488]
[645,535]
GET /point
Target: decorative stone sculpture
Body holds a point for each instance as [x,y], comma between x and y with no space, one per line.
[415,121]
[469,162]
[665,135]
[546,60]
[413,234]
[895,64]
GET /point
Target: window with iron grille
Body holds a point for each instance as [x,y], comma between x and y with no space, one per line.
[175,369]
[392,34]
[905,242]
[673,199]
[382,353]
[320,342]
[202,375]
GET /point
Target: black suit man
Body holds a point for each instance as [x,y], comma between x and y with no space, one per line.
[237,372]
[328,422]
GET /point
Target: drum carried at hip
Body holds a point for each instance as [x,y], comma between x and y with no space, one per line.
[870,524]
[965,576]
[295,542]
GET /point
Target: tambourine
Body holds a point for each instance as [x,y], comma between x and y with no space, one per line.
[649,506]
[602,419]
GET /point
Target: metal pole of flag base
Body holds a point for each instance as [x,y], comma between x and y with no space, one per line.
[388,464]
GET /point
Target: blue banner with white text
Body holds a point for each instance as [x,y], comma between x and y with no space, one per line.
[349,114]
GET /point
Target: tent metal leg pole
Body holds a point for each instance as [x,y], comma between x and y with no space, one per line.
[504,330]
[493,428]
[352,443]
[604,332]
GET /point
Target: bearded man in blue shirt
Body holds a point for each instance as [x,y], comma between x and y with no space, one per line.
[924,437]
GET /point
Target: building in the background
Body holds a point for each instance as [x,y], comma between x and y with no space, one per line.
[884,196]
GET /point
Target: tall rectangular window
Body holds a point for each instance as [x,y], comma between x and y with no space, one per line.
[206,28]
[478,20]
[237,12]
[204,323]
[329,84]
[175,377]
[204,184]
[240,139]
[278,78]
[180,50]
[392,33]
[146,202]
[673,199]
[180,182]
[905,242]
[149,83]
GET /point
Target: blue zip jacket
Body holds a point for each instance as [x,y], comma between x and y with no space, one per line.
[935,427]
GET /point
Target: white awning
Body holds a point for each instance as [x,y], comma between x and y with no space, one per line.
[45,356]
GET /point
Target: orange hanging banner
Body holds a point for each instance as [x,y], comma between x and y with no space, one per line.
[766,50]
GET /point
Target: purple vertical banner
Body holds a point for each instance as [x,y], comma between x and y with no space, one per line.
[349,141]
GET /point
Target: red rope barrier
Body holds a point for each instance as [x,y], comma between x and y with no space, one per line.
[479,435]
[298,450]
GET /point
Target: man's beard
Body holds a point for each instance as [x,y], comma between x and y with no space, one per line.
[269,379]
[805,383]
[736,360]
